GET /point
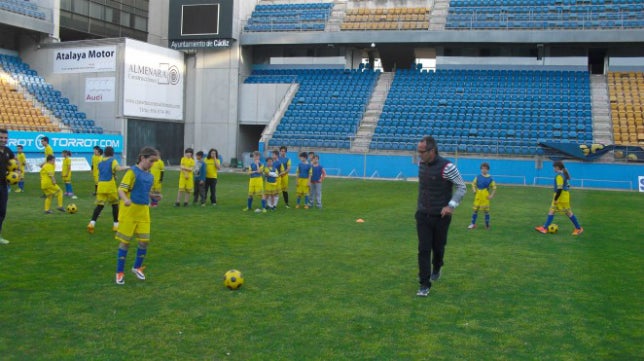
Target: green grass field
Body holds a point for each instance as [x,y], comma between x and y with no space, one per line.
[320,286]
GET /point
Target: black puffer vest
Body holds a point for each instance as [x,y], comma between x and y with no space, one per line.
[434,192]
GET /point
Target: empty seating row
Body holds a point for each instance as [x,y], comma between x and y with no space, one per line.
[626,94]
[45,93]
[327,109]
[386,19]
[387,11]
[289,17]
[23,7]
[544,14]
[495,116]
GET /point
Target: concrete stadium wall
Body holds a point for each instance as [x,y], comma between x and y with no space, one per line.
[259,102]
[505,171]
[106,114]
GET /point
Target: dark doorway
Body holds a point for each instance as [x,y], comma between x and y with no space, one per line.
[165,136]
[596,59]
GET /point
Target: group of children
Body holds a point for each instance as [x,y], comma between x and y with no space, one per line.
[484,189]
[48,184]
[199,177]
[269,179]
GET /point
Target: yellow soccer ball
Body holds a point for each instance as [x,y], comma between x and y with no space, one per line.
[71,208]
[233,279]
[12,166]
[553,228]
[13,178]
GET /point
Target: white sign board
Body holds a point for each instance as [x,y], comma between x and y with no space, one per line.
[85,60]
[153,81]
[640,183]
[78,164]
[99,90]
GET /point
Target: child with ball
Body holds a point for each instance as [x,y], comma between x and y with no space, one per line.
[561,200]
[134,218]
[271,188]
[186,178]
[48,184]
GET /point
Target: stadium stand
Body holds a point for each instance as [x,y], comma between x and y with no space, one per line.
[289,17]
[386,19]
[327,109]
[49,97]
[23,7]
[18,113]
[626,92]
[545,14]
[485,111]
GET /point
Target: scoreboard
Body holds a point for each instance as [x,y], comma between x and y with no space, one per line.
[198,24]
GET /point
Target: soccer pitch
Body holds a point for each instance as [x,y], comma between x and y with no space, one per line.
[320,286]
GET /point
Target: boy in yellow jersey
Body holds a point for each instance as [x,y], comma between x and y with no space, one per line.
[271,190]
[484,189]
[47,149]
[302,189]
[106,191]
[186,178]
[96,158]
[279,168]
[255,183]
[157,170]
[22,167]
[49,186]
[67,174]
[561,200]
[134,219]
[212,167]
[286,169]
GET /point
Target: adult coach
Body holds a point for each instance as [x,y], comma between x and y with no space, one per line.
[437,178]
[5,155]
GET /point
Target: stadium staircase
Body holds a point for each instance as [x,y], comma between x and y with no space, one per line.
[269,130]
[337,15]
[601,115]
[326,109]
[371,116]
[438,15]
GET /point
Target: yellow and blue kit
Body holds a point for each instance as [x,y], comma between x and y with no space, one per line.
[134,220]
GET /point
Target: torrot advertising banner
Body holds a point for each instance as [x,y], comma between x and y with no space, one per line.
[85,60]
[74,142]
[99,90]
[153,81]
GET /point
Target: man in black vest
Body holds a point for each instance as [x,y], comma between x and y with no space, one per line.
[5,155]
[436,201]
